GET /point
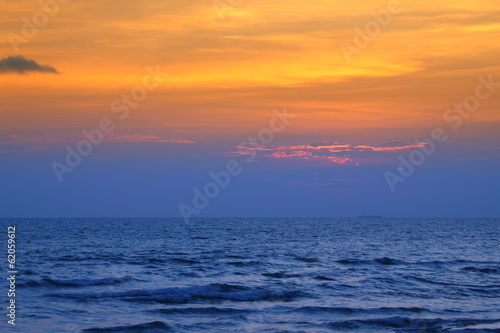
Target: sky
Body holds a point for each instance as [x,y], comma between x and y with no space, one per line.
[373,107]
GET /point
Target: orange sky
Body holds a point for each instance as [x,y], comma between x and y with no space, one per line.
[263,54]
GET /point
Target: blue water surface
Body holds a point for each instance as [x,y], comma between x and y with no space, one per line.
[255,275]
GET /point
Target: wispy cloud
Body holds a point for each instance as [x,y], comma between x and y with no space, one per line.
[143,138]
[22,139]
[28,144]
[21,150]
[338,153]
[20,144]
[21,65]
[390,146]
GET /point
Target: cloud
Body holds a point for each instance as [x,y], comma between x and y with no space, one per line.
[15,139]
[393,145]
[19,139]
[143,138]
[20,150]
[21,65]
[338,153]
[18,144]
[33,144]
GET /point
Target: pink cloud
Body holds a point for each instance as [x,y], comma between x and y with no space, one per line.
[325,152]
[18,139]
[380,148]
[252,148]
[238,153]
[338,153]
[339,160]
[297,153]
[21,150]
[332,146]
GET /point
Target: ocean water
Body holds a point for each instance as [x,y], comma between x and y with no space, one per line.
[255,275]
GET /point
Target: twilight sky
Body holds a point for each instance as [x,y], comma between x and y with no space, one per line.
[219,72]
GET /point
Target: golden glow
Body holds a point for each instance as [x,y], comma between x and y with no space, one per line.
[262,54]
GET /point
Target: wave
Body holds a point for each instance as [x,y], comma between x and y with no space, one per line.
[382,261]
[392,322]
[243,263]
[156,261]
[214,291]
[183,261]
[200,311]
[323,278]
[485,270]
[443,283]
[46,282]
[415,324]
[327,309]
[155,326]
[281,275]
[390,261]
[306,259]
[235,256]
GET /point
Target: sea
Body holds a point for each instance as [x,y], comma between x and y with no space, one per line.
[253,275]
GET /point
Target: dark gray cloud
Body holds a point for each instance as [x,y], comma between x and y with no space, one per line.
[21,65]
